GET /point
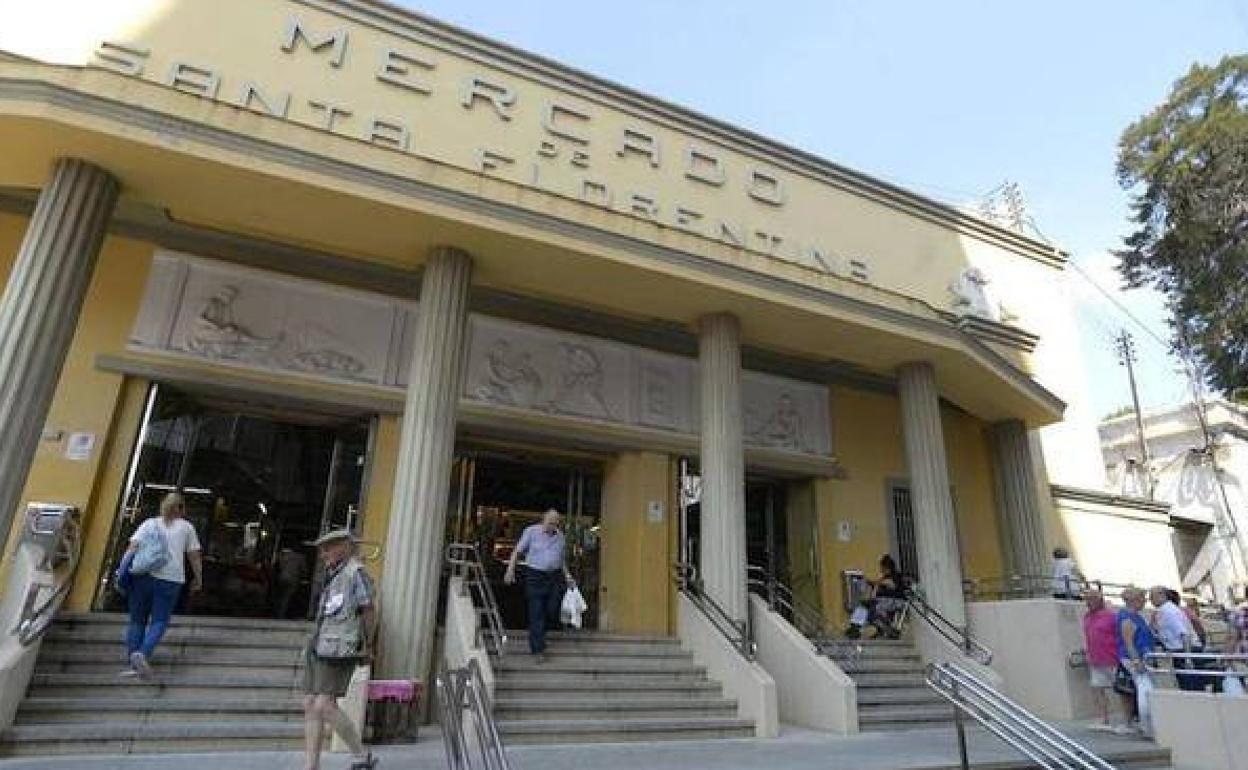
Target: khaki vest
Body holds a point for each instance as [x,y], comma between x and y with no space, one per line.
[339,630]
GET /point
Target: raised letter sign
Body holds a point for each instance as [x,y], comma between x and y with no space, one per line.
[765,187]
[552,124]
[332,113]
[704,167]
[498,95]
[336,41]
[196,80]
[641,143]
[488,160]
[396,69]
[385,132]
[251,94]
[119,57]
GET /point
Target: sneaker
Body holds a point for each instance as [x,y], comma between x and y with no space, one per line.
[127,673]
[1100,727]
[1123,730]
[542,658]
[138,662]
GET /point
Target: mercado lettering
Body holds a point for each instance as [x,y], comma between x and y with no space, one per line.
[574,141]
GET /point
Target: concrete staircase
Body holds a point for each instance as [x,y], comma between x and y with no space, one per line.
[221,684]
[598,687]
[892,692]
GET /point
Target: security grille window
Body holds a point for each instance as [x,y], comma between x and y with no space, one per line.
[903,530]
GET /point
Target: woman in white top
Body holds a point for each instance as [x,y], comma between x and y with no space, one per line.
[153,596]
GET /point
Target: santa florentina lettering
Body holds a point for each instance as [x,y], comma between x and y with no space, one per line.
[567,138]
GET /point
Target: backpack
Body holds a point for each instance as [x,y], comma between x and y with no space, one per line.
[153,550]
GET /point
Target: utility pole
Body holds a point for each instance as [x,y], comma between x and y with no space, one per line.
[1125,346]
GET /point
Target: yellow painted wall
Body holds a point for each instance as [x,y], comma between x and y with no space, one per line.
[867,439]
[801,529]
[635,594]
[381,469]
[88,400]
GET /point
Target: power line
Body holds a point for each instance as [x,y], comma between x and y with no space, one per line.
[1121,307]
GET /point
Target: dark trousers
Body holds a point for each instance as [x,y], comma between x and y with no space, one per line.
[544,590]
[151,603]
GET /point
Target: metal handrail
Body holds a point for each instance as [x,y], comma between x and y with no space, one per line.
[1024,586]
[465,561]
[1013,724]
[1225,658]
[37,615]
[464,689]
[959,635]
[739,633]
[807,618]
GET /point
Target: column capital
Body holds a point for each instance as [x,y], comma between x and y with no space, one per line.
[444,251]
[720,319]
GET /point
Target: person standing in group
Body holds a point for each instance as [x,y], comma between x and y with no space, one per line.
[341,640]
[545,578]
[1177,635]
[1066,578]
[1136,640]
[1100,636]
[157,556]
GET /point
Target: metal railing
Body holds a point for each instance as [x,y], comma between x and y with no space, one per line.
[805,617]
[464,561]
[463,690]
[1013,724]
[1206,664]
[1034,587]
[739,633]
[959,635]
[44,599]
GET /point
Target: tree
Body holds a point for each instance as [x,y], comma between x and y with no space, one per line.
[1186,165]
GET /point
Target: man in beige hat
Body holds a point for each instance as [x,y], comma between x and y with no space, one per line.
[345,619]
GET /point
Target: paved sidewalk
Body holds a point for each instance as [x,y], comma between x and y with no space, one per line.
[796,749]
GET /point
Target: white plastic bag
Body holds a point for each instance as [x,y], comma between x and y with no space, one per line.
[1143,693]
[859,616]
[572,608]
[1233,685]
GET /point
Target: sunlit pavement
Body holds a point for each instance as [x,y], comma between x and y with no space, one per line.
[796,748]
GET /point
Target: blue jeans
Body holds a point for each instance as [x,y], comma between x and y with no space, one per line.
[544,591]
[151,603]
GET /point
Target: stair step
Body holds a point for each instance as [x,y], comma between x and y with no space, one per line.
[564,647]
[550,709]
[877,696]
[59,655]
[41,710]
[681,662]
[887,679]
[592,637]
[201,636]
[599,678]
[117,619]
[612,730]
[77,685]
[591,689]
[154,737]
[904,716]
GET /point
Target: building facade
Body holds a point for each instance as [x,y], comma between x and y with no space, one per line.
[1197,464]
[327,262]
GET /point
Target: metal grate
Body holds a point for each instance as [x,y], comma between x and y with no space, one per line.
[903,529]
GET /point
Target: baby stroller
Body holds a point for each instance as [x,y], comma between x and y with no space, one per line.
[886,614]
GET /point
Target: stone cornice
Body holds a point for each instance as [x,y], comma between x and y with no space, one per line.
[1129,506]
[900,313]
[438,34]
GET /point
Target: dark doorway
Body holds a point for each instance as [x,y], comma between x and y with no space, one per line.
[259,484]
[497,493]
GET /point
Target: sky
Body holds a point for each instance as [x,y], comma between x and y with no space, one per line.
[949,99]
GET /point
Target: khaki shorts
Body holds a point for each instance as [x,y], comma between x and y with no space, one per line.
[326,676]
[1101,677]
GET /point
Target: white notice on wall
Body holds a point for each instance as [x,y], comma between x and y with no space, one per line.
[843,531]
[79,446]
[654,511]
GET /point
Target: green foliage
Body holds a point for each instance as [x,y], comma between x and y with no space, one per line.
[1186,163]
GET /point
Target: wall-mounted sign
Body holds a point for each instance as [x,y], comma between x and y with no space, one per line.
[655,511]
[79,446]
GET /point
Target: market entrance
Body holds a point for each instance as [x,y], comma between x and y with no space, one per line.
[259,484]
[497,493]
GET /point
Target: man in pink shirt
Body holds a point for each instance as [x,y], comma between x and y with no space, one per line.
[1101,645]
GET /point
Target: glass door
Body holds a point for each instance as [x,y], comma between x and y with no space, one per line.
[258,484]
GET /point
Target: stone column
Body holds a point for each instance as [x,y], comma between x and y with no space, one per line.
[414,542]
[723,463]
[1019,500]
[40,308]
[935,527]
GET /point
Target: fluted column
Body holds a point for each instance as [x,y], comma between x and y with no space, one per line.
[1019,502]
[935,528]
[409,585]
[723,463]
[40,308]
